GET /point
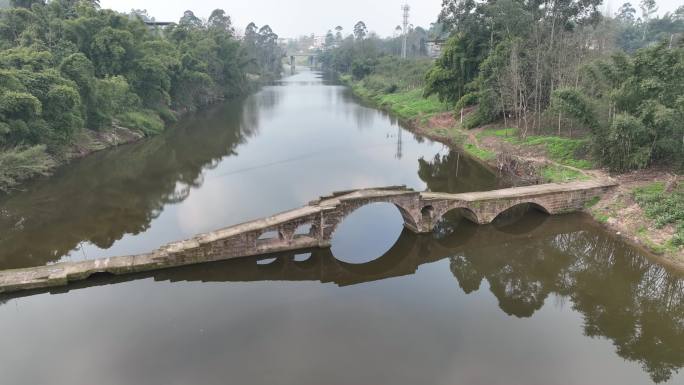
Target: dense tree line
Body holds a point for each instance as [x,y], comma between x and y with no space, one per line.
[557,66]
[360,52]
[67,65]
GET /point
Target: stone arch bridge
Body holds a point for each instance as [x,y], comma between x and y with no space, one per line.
[313,225]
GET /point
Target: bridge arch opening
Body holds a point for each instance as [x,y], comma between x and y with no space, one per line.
[304,229]
[266,261]
[400,259]
[459,212]
[100,276]
[368,232]
[520,219]
[302,257]
[520,214]
[427,212]
[455,227]
[270,235]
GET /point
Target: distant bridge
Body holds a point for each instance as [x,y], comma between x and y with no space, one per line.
[312,226]
[293,56]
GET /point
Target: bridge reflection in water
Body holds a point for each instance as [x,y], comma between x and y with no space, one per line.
[523,258]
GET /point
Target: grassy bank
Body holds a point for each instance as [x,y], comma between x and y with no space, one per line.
[407,104]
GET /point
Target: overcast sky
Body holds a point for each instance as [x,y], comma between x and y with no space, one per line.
[291,18]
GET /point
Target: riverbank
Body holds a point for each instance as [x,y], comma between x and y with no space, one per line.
[22,164]
[647,208]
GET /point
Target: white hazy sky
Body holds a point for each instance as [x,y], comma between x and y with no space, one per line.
[291,18]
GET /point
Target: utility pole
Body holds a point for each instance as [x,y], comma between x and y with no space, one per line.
[406,10]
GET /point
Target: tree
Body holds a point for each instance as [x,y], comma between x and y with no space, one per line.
[626,13]
[142,14]
[329,39]
[219,21]
[26,3]
[338,33]
[112,51]
[63,112]
[360,30]
[646,114]
[454,70]
[648,9]
[189,20]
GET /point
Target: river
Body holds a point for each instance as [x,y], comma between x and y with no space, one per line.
[530,299]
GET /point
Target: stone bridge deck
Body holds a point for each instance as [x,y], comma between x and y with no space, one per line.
[312,226]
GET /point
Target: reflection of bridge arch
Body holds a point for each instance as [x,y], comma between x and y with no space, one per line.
[406,208]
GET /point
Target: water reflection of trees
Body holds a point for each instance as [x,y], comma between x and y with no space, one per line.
[455,173]
[103,197]
[622,296]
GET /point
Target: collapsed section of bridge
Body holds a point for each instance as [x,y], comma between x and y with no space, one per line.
[319,219]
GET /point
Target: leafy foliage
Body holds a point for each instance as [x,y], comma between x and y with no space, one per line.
[455,69]
[67,66]
[646,93]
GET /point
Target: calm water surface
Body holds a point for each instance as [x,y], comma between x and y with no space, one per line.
[530,299]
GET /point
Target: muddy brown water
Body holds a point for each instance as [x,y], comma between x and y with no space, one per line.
[530,299]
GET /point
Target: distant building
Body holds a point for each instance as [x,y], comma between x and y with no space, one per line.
[434,48]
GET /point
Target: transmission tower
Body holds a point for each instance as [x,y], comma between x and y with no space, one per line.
[406,10]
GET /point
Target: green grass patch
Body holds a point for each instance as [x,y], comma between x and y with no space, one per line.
[553,173]
[592,202]
[566,151]
[501,133]
[22,163]
[563,150]
[411,104]
[345,79]
[478,152]
[601,217]
[663,207]
[146,121]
